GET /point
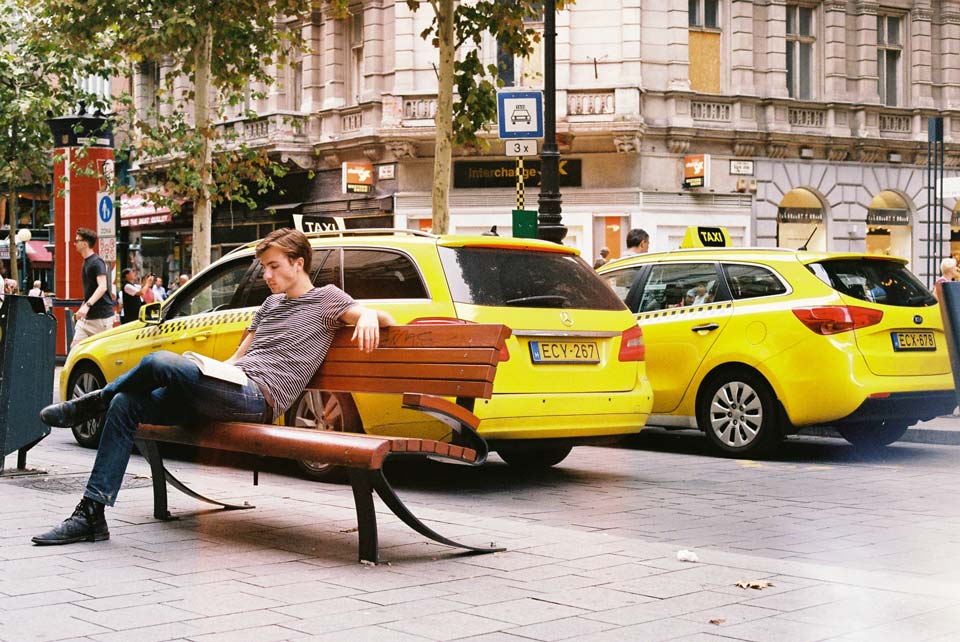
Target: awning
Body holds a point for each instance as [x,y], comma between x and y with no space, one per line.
[38,255]
[135,211]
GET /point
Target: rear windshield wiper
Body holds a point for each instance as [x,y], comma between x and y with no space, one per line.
[541,300]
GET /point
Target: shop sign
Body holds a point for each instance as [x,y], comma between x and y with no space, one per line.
[887,217]
[357,178]
[135,211]
[799,215]
[307,223]
[696,171]
[471,174]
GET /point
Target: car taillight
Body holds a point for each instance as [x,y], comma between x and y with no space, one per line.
[504,353]
[834,319]
[632,347]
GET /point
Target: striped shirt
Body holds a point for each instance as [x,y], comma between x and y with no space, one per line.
[292,338]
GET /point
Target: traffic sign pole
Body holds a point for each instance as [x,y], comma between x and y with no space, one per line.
[520,182]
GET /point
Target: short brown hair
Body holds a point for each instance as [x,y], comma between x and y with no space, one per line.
[291,242]
[87,235]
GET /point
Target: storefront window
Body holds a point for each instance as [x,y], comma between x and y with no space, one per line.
[801,222]
[888,225]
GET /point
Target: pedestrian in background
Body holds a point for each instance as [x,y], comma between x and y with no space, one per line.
[96,312]
[146,288]
[35,290]
[132,300]
[600,262]
[948,272]
[159,292]
[638,242]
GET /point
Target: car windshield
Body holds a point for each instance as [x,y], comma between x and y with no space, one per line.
[874,280]
[524,279]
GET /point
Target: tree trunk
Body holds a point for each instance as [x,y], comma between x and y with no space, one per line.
[443,119]
[201,106]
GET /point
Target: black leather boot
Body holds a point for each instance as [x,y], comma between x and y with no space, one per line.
[87,524]
[76,411]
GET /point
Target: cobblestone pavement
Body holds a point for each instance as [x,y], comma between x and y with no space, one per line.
[855,548]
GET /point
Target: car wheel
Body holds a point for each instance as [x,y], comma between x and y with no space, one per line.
[872,436]
[738,412]
[84,379]
[534,457]
[322,410]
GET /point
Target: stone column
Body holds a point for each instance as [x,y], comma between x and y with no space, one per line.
[865,56]
[334,48]
[921,71]
[770,25]
[948,59]
[835,50]
[741,49]
[665,47]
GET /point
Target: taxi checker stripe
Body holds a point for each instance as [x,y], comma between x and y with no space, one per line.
[178,326]
[685,310]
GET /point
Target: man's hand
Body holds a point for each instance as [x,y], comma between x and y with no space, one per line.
[81,312]
[367,331]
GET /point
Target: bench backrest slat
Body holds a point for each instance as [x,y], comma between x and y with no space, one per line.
[443,359]
[439,387]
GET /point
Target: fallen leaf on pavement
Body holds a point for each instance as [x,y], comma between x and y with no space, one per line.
[718,621]
[754,584]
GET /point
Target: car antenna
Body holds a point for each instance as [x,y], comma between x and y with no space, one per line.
[803,248]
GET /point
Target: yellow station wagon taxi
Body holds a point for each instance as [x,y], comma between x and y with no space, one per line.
[750,344]
[574,371]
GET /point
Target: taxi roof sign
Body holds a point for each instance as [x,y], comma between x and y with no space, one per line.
[705,237]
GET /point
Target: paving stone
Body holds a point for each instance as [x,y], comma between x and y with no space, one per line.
[562,629]
[525,611]
[448,626]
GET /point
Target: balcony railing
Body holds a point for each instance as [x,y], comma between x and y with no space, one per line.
[269,128]
[591,103]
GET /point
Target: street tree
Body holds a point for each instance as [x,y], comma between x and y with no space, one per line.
[456,31]
[215,50]
[36,77]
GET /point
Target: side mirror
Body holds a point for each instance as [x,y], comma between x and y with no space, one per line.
[150,313]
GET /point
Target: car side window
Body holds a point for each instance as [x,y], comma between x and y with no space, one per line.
[216,290]
[752,281]
[381,274]
[626,283]
[677,285]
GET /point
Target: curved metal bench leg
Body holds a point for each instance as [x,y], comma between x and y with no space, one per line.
[162,477]
[360,481]
[390,498]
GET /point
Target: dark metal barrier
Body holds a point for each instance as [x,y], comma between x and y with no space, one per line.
[27,362]
[949,295]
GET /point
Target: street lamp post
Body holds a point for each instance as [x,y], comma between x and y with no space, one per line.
[549,226]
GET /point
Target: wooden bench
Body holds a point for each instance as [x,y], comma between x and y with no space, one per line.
[424,363]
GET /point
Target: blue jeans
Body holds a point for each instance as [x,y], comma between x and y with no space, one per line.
[167,389]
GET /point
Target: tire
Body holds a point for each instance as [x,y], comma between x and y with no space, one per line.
[873,436]
[322,410]
[534,457]
[739,413]
[86,378]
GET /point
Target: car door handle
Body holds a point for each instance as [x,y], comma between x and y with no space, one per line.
[201,337]
[707,327]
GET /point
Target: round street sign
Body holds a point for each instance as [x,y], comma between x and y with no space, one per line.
[105,221]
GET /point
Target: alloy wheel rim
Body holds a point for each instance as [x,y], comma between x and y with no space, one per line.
[736,414]
[85,383]
[318,410]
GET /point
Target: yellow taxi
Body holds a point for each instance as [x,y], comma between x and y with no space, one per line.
[574,373]
[751,344]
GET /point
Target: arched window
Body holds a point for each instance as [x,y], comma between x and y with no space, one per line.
[800,221]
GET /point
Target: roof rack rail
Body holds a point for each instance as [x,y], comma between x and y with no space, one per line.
[370,230]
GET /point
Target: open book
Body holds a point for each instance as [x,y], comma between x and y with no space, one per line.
[217,369]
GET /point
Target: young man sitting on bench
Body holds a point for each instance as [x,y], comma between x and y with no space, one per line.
[285,344]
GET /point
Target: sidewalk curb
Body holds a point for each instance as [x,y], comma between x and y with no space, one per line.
[913,435]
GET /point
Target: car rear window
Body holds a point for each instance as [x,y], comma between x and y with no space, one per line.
[524,279]
[874,280]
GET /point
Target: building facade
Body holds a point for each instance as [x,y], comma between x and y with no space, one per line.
[807,123]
